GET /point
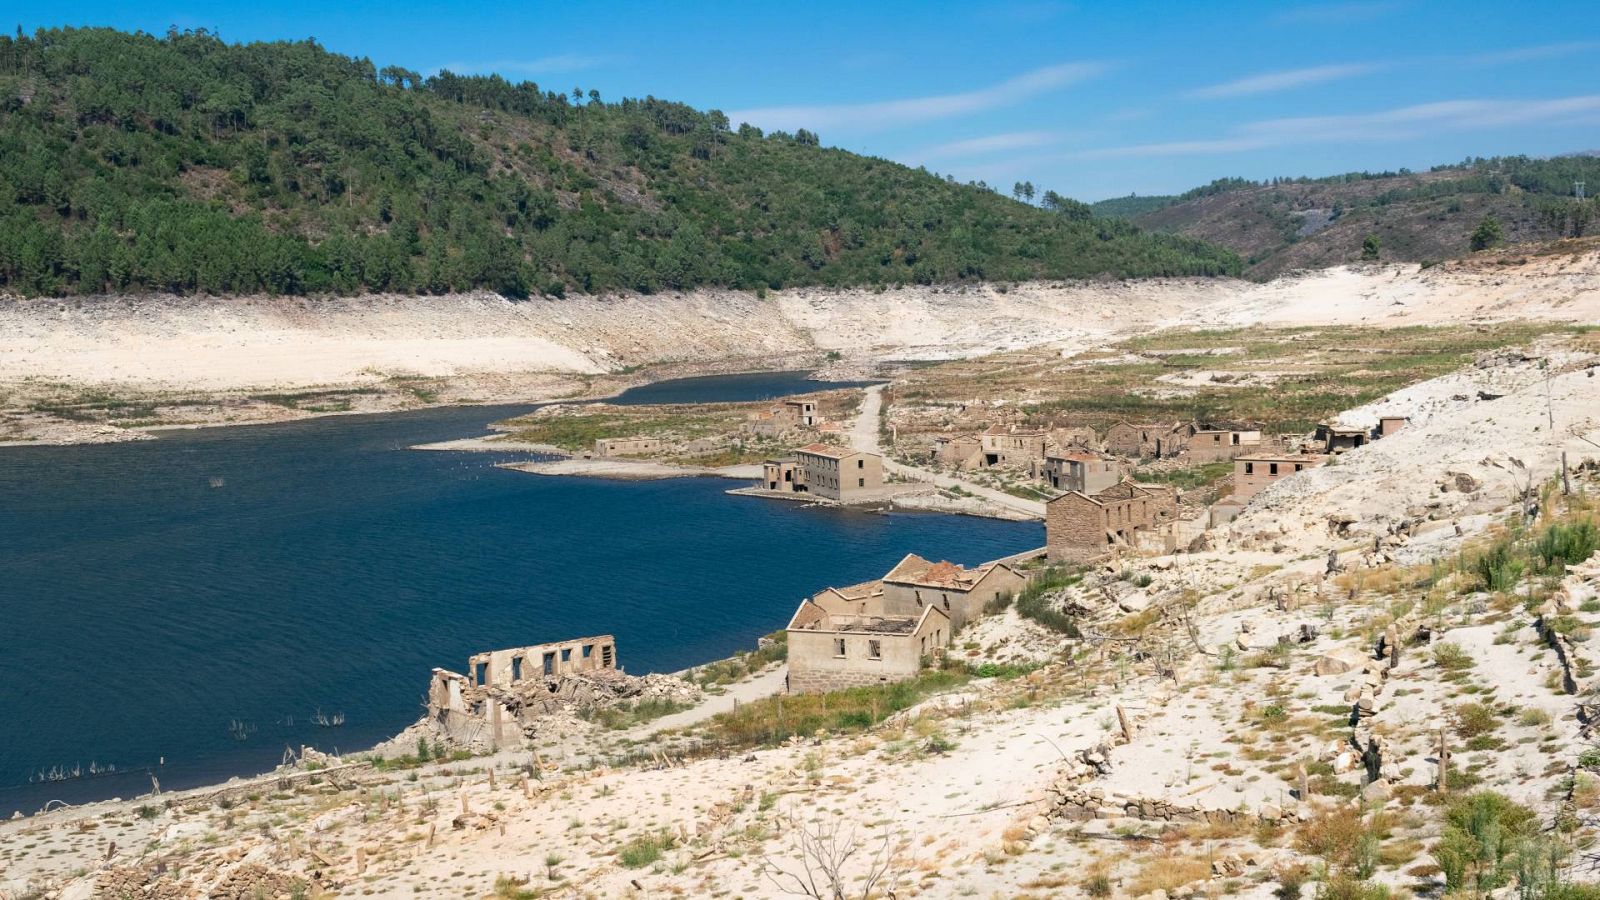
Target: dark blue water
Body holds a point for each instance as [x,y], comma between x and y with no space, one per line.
[742,387]
[153,593]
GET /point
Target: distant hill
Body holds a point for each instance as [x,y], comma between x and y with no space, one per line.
[135,163]
[1305,223]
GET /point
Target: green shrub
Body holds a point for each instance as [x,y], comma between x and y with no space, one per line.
[1565,544]
[1451,657]
[645,849]
[1035,600]
[1499,568]
[1097,886]
[1482,834]
[1474,719]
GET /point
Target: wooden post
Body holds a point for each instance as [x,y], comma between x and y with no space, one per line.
[1444,764]
[1566,480]
[464,809]
[527,789]
[491,778]
[361,860]
[1391,636]
[432,827]
[1305,783]
[1127,729]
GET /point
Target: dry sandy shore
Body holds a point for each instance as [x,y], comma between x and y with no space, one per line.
[222,361]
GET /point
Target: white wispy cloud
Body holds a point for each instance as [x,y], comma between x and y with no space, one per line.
[1530,54]
[1394,124]
[1284,80]
[544,65]
[1335,13]
[1011,140]
[890,113]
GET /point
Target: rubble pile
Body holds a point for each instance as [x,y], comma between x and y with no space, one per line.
[1069,802]
[132,881]
[254,882]
[595,689]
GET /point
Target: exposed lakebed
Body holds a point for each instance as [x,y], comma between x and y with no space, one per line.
[202,597]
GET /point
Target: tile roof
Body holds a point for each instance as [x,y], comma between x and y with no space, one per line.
[909,567]
[832,451]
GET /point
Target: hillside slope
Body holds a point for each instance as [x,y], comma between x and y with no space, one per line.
[1289,224]
[132,163]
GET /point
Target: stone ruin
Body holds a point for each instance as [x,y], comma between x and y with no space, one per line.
[507,694]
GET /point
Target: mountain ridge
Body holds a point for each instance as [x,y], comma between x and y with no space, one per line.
[1284,224]
[131,163]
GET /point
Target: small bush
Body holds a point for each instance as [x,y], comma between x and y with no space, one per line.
[1499,568]
[1482,833]
[1563,544]
[1451,657]
[645,849]
[1097,886]
[1474,719]
[1037,599]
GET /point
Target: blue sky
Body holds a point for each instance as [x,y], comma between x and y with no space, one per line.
[1090,99]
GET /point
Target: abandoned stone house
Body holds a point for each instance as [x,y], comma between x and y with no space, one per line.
[1254,473]
[1080,527]
[1013,446]
[826,470]
[1080,470]
[781,475]
[1333,438]
[840,473]
[880,631]
[963,594]
[475,708]
[832,648]
[631,446]
[783,418]
[800,412]
[1216,444]
[957,451]
[1147,441]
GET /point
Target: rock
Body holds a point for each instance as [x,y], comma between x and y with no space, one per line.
[1270,813]
[1345,762]
[1377,790]
[1340,661]
[1227,866]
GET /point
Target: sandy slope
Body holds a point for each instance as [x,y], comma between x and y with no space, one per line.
[221,344]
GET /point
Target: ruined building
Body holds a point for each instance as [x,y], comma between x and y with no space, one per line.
[880,631]
[1150,440]
[498,702]
[831,648]
[1254,473]
[828,471]
[1080,470]
[1081,527]
[631,446]
[1216,444]
[1011,447]
[957,451]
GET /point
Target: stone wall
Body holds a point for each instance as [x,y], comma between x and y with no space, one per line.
[1075,528]
[819,681]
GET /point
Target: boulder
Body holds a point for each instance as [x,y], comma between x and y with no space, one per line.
[1340,661]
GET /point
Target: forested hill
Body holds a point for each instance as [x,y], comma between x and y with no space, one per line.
[135,163]
[1448,211]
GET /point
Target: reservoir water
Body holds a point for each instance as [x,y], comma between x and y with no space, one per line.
[195,601]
